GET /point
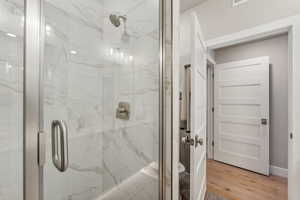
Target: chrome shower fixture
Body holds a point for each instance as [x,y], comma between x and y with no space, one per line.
[125,36]
[116,20]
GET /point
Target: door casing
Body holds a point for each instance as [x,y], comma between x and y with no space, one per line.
[210,108]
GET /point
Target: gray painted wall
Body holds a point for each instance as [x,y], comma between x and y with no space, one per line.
[218,17]
[277,49]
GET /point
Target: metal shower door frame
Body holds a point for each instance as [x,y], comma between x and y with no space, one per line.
[32,186]
[34,144]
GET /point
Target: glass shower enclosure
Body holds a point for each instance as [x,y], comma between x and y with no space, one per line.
[100,78]
[81,100]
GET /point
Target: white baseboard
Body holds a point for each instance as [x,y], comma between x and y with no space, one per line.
[277,171]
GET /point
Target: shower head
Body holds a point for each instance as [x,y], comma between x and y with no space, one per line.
[116,21]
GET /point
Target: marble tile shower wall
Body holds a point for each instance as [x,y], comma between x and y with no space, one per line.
[84,89]
[11,86]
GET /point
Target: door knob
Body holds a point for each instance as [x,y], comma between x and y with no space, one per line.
[198,141]
[188,140]
[193,142]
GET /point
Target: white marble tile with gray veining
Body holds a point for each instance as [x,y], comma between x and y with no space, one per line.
[83,84]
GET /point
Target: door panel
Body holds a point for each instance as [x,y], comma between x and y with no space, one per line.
[101,82]
[198,112]
[241,103]
[11,99]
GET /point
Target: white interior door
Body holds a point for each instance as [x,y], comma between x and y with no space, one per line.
[198,112]
[241,116]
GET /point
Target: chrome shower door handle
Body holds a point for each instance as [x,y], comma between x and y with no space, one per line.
[59,140]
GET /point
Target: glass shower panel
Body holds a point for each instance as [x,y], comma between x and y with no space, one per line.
[101,77]
[11,98]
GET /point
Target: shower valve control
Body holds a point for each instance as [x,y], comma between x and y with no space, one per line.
[123,111]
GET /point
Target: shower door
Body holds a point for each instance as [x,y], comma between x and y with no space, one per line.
[100,86]
[11,98]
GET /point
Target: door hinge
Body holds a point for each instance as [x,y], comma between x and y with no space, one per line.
[264,121]
[213,143]
[213,109]
[41,148]
[213,75]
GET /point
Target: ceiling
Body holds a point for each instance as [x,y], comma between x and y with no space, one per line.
[187,4]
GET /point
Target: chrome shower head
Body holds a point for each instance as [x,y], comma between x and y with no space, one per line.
[115,20]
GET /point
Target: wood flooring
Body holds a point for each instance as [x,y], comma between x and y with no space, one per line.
[238,184]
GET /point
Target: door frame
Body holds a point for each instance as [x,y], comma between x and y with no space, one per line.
[31,97]
[210,107]
[33,134]
[291,26]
